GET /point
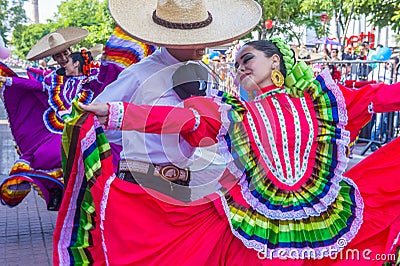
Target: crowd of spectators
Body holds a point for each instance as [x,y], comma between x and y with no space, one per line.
[346,64]
[18,63]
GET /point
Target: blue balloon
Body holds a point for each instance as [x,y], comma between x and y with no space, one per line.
[383,53]
[214,55]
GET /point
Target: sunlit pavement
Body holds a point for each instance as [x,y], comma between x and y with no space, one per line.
[26,231]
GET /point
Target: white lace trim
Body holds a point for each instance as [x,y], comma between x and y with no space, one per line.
[344,140]
[320,252]
[115,115]
[342,110]
[223,146]
[310,139]
[67,225]
[197,117]
[103,206]
[303,213]
[329,198]
[88,140]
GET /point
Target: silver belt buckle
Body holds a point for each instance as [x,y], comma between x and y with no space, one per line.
[171,173]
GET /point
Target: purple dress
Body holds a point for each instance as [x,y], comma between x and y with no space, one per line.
[34,112]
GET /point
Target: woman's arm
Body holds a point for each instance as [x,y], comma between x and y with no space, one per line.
[386,98]
[363,102]
[18,83]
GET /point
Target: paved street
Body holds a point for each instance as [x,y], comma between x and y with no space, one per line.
[26,230]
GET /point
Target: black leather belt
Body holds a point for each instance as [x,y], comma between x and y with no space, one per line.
[167,179]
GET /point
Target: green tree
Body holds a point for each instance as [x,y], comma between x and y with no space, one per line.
[92,15]
[12,13]
[25,36]
[341,12]
[383,13]
[379,13]
[286,16]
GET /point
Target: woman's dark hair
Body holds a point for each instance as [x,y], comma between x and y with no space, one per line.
[84,58]
[269,49]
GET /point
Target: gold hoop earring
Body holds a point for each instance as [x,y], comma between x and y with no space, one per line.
[277,78]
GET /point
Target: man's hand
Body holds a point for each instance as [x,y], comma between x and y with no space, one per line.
[99,109]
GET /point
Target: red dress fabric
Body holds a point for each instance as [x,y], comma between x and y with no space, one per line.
[155,229]
[362,102]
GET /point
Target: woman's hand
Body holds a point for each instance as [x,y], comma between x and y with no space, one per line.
[99,109]
[3,79]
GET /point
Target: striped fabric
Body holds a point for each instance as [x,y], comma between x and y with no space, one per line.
[124,50]
[86,158]
[6,71]
[291,199]
[15,187]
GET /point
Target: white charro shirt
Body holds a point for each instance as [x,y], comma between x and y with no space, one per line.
[148,82]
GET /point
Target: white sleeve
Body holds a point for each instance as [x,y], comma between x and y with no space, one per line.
[121,89]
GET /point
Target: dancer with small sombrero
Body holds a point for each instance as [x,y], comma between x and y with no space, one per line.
[35,125]
[36,109]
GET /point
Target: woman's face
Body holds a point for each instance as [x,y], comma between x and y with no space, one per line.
[71,68]
[254,68]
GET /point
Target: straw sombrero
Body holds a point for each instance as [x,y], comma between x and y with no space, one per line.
[186,23]
[56,42]
[307,56]
[52,62]
[96,50]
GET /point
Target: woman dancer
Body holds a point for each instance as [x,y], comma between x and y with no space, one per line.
[283,194]
[37,127]
[36,109]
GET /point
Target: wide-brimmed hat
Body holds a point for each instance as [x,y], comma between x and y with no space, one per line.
[186,23]
[305,55]
[56,42]
[52,62]
[96,50]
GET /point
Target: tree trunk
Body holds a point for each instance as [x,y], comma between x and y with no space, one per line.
[347,25]
[35,11]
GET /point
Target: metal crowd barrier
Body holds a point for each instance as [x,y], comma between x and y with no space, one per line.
[382,128]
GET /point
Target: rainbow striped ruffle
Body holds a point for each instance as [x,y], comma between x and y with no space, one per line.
[15,187]
[6,71]
[86,158]
[323,214]
[124,50]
